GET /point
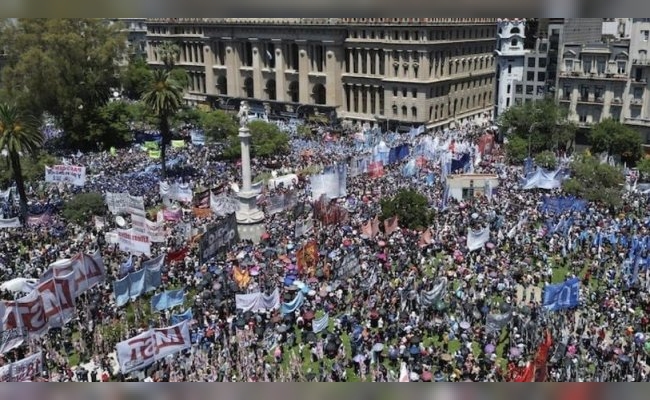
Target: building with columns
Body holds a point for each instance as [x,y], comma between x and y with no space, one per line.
[393,71]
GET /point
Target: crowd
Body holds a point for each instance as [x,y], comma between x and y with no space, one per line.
[415,311]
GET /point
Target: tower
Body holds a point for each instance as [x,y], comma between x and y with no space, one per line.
[510,54]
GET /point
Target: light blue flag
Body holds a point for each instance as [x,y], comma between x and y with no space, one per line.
[152,277]
[137,284]
[121,289]
[127,266]
[431,179]
[293,305]
[562,295]
[321,323]
[184,316]
[168,299]
[409,169]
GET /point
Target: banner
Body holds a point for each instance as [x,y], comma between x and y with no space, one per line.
[172,214]
[132,242]
[218,238]
[148,347]
[58,297]
[477,239]
[178,144]
[348,267]
[496,322]
[223,204]
[168,299]
[88,271]
[198,138]
[258,301]
[154,154]
[137,283]
[10,223]
[307,257]
[320,324]
[304,227]
[24,370]
[124,203]
[73,174]
[10,338]
[142,225]
[181,192]
[44,219]
[562,295]
[433,296]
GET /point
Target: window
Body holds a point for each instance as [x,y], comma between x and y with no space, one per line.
[508,89]
[395,91]
[530,76]
[582,118]
[404,111]
[404,92]
[508,102]
[586,65]
[543,48]
[541,77]
[621,67]
[568,65]
[645,34]
[566,92]
[518,101]
[601,65]
[414,112]
[510,68]
[414,93]
[584,92]
[530,89]
[531,62]
[519,89]
[542,63]
[638,93]
[514,43]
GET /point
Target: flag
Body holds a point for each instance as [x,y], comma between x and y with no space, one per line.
[241,277]
[177,255]
[127,266]
[541,372]
[391,225]
[404,374]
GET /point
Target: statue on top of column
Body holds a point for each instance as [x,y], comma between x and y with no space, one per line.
[243,113]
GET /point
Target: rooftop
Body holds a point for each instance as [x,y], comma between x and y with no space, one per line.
[324,21]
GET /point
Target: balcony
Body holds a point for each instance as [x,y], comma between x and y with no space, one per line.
[639,81]
[593,75]
[636,102]
[638,121]
[641,62]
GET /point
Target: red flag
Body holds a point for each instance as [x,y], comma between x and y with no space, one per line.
[523,374]
[541,372]
[177,255]
[376,169]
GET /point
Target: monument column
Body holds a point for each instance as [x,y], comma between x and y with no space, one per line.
[248,212]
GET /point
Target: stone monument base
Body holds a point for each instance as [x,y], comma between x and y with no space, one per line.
[252,232]
[250,219]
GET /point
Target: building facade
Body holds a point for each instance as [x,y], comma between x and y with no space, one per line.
[136,31]
[393,71]
[521,72]
[608,80]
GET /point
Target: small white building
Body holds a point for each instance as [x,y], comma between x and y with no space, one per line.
[511,57]
[466,186]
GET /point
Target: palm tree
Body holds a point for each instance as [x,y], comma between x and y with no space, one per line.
[168,52]
[164,97]
[19,135]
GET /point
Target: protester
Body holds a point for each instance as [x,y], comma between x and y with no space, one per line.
[368,304]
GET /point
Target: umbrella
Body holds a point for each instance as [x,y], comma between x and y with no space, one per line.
[427,376]
[378,347]
[240,323]
[299,284]
[414,350]
[414,376]
[312,280]
[490,245]
[322,293]
[416,340]
[282,328]
[254,271]
[489,348]
[439,377]
[464,325]
[288,280]
[514,352]
[445,357]
[311,293]
[359,358]
[310,337]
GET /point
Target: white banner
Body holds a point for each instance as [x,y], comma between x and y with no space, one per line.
[124,203]
[24,370]
[133,242]
[176,191]
[144,226]
[155,344]
[10,223]
[72,174]
[476,239]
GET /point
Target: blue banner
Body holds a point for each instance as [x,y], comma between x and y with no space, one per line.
[293,305]
[168,299]
[184,316]
[127,266]
[152,278]
[121,291]
[137,284]
[562,296]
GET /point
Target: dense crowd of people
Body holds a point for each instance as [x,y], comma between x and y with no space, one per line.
[380,327]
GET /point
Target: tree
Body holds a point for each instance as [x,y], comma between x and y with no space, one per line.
[266,140]
[82,206]
[614,138]
[112,125]
[32,168]
[135,78]
[218,125]
[19,136]
[542,124]
[594,181]
[164,98]
[516,150]
[644,168]
[411,208]
[546,159]
[187,115]
[65,67]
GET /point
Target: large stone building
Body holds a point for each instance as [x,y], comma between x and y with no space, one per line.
[608,80]
[393,71]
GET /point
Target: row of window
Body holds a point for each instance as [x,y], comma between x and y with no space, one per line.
[601,64]
[175,30]
[598,92]
[423,35]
